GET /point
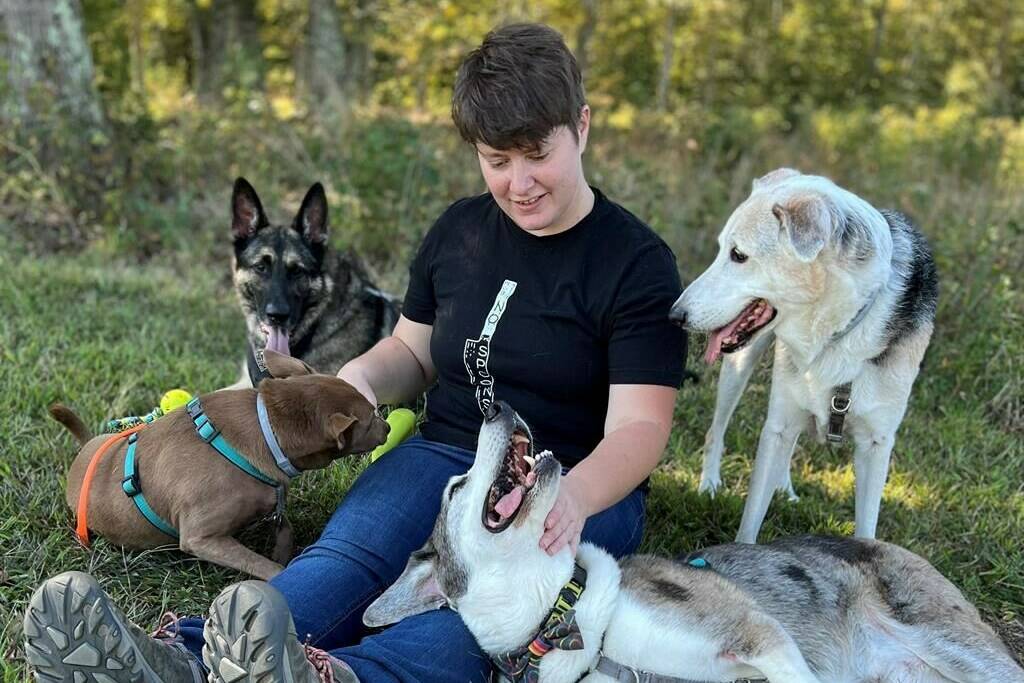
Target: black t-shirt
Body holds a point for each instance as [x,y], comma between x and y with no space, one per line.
[542,323]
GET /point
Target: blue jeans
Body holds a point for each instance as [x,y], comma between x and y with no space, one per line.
[387,514]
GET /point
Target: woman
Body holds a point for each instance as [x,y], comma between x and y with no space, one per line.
[542,293]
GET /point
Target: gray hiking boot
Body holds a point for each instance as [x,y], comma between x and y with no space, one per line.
[75,634]
[250,638]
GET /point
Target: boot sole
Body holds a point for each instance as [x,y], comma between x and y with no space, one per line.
[73,635]
[246,635]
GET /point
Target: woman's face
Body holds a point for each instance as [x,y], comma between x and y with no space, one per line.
[543,191]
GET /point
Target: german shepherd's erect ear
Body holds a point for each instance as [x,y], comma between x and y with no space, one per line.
[311,221]
[247,214]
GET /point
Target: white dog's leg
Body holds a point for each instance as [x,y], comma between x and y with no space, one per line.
[771,466]
[784,663]
[736,371]
[870,469]
[763,643]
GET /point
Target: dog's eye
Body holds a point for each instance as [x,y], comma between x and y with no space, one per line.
[262,266]
[737,256]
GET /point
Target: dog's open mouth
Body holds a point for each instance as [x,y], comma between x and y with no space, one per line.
[277,338]
[516,477]
[737,333]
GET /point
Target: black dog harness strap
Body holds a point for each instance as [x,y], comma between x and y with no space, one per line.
[837,409]
[558,631]
[625,674]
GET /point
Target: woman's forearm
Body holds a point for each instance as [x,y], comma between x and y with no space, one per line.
[619,463]
[389,370]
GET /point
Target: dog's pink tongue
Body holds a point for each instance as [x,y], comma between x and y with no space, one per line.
[715,340]
[277,340]
[509,503]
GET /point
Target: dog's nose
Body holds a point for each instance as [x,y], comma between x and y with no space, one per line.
[493,411]
[277,313]
[678,317]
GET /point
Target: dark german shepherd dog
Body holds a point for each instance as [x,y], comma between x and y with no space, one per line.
[300,297]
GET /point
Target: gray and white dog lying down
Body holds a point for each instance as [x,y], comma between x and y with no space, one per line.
[832,610]
[848,293]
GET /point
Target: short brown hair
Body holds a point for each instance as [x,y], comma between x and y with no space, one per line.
[517,87]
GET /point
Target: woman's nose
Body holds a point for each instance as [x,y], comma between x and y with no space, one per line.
[521,180]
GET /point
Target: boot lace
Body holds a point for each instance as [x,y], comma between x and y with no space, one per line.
[168,628]
[322,662]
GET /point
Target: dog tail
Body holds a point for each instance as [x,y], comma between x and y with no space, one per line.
[61,413]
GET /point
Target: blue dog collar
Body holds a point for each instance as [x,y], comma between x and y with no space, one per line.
[283,463]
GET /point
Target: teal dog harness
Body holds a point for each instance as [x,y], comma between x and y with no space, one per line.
[132,485]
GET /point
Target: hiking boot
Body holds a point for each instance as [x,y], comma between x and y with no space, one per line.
[75,633]
[250,638]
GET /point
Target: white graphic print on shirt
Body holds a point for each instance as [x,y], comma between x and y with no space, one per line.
[478,351]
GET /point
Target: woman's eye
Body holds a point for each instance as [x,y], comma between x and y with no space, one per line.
[737,256]
[539,157]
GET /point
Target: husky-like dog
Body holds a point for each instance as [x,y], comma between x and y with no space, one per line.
[299,297]
[848,292]
[800,610]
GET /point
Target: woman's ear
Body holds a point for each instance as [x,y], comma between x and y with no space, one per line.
[583,127]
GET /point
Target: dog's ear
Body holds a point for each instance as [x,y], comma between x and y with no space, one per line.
[773,178]
[808,223]
[246,211]
[280,366]
[311,220]
[337,425]
[416,591]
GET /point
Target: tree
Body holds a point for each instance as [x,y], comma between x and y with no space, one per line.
[49,69]
[583,35]
[323,73]
[226,49]
[54,136]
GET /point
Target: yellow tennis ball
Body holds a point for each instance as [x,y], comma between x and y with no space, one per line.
[173,399]
[403,422]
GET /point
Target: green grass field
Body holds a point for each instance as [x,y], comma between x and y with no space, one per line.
[108,333]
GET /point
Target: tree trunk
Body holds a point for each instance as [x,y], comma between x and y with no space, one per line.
[583,35]
[668,45]
[52,126]
[136,51]
[226,51]
[324,75]
[878,14]
[48,64]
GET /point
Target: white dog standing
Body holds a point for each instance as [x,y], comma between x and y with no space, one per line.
[849,294]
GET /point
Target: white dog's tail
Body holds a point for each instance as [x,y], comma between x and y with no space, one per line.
[74,424]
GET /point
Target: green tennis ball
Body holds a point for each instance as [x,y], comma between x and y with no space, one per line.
[402,421]
[173,399]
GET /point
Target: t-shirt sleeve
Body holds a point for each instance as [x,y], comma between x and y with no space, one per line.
[643,346]
[420,303]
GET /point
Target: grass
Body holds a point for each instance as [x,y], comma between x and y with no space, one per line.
[108,332]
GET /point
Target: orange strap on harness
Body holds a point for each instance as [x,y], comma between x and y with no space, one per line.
[82,530]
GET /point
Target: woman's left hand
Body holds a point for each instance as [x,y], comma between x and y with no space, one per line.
[564,523]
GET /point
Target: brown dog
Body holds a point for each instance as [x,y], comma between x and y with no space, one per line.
[315,419]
